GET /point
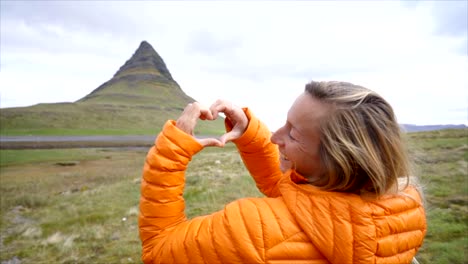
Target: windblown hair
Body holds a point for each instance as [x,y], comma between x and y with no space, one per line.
[361,148]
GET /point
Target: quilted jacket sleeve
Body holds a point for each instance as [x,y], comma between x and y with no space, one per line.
[241,233]
[161,203]
[260,156]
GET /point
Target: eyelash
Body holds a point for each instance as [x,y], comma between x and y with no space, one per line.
[289,131]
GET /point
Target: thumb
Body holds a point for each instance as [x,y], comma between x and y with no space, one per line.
[210,142]
[230,136]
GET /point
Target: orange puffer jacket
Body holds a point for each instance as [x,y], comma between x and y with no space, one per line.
[296,223]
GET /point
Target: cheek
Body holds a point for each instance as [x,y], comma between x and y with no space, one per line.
[309,158]
[309,167]
[314,162]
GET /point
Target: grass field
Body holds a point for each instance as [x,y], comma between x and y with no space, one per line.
[83,118]
[81,205]
[442,163]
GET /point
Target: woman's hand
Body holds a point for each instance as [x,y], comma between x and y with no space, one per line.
[188,120]
[235,115]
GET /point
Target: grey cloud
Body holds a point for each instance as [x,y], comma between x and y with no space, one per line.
[452,20]
[111,21]
[319,70]
[409,3]
[229,62]
[452,17]
[207,43]
[67,13]
[87,15]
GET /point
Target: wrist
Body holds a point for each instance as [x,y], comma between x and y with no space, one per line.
[180,139]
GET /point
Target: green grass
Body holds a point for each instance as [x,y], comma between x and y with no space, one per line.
[216,178]
[33,156]
[71,214]
[87,213]
[442,164]
[78,132]
[93,119]
[149,93]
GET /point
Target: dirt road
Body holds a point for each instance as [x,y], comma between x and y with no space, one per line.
[22,142]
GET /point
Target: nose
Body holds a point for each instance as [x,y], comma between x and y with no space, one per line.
[276,138]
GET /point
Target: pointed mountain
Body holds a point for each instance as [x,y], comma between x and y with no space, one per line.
[143,80]
[145,57]
[137,100]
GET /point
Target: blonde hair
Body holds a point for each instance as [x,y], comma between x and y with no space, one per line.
[361,147]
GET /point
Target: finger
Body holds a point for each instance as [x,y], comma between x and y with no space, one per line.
[214,111]
[205,114]
[232,112]
[192,110]
[188,119]
[218,107]
[210,142]
[223,107]
[230,136]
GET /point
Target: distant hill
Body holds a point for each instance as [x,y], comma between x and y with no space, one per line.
[137,100]
[416,128]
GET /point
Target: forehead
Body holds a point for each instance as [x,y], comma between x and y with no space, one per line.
[306,113]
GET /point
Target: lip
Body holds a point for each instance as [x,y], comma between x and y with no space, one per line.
[284,157]
[285,163]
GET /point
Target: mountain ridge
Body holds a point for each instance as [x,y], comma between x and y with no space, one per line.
[421,128]
[140,97]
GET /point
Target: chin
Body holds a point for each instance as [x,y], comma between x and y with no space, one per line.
[284,167]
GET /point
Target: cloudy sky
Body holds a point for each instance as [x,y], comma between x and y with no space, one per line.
[253,53]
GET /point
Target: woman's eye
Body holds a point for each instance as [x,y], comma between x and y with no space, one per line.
[290,136]
[289,130]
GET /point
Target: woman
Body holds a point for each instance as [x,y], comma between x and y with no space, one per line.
[331,176]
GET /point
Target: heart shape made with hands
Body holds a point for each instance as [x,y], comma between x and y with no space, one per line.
[235,118]
[218,140]
[211,140]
